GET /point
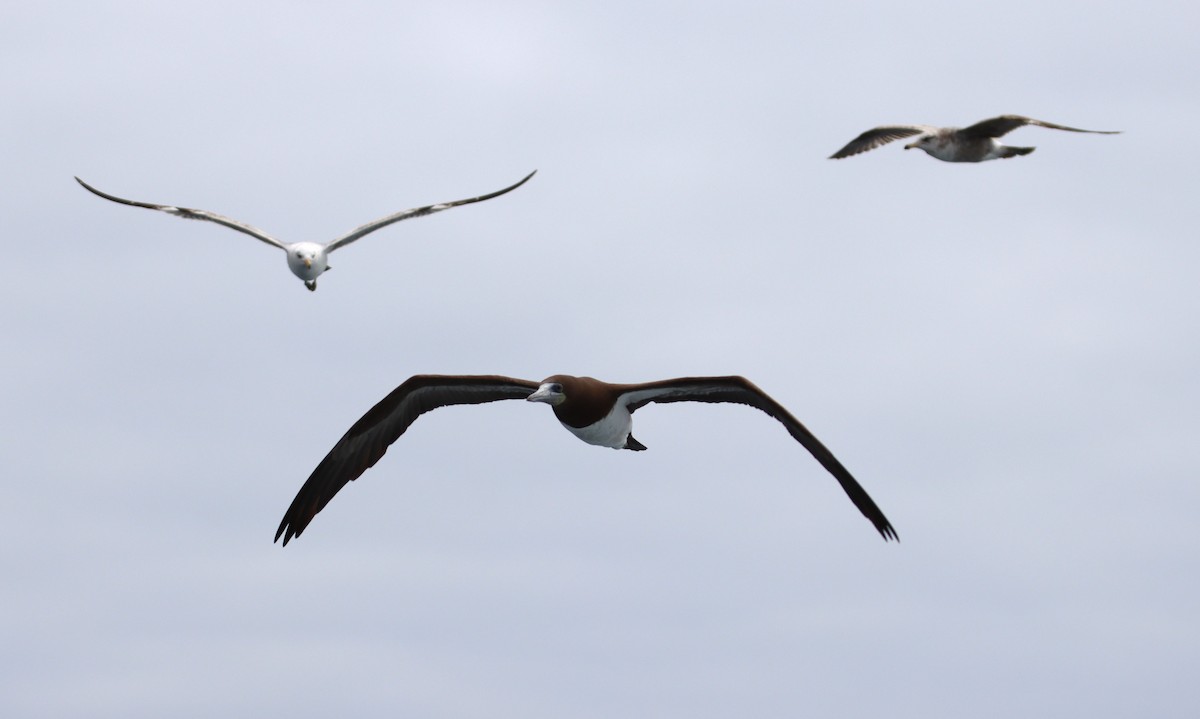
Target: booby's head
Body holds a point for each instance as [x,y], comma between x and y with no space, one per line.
[549,392]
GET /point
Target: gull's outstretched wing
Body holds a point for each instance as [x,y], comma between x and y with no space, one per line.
[740,390]
[878,136]
[416,212]
[1000,126]
[190,214]
[367,441]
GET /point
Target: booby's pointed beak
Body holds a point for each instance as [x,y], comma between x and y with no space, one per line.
[549,392]
[542,394]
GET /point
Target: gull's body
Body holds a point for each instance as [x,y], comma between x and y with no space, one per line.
[596,412]
[306,260]
[976,143]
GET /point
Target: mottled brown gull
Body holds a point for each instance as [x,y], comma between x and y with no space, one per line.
[951,144]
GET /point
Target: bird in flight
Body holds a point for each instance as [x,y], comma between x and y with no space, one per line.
[307,260]
[951,144]
[596,412]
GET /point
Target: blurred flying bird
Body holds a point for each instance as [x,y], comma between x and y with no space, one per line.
[951,144]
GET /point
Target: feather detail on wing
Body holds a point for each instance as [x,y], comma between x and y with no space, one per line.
[416,212]
[1000,126]
[190,214]
[740,390]
[368,440]
[879,136]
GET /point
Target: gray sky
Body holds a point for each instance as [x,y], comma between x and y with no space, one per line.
[1004,354]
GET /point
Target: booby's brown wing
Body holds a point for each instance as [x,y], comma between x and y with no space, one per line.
[740,390]
[190,214]
[367,441]
[878,136]
[1000,126]
[416,212]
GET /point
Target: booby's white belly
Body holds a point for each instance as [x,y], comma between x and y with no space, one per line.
[612,431]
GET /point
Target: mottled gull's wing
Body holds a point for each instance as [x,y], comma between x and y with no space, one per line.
[1000,126]
[367,441]
[740,390]
[190,214]
[871,139]
[416,212]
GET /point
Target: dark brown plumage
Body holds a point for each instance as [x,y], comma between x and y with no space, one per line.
[594,411]
[368,439]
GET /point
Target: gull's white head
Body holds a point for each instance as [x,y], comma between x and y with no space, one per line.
[550,392]
[924,142]
[307,260]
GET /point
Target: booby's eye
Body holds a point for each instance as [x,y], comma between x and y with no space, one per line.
[556,388]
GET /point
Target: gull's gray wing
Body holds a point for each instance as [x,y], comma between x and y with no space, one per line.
[878,136]
[1000,126]
[740,390]
[367,441]
[416,212]
[190,214]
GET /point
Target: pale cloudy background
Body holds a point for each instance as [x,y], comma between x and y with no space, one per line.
[1004,354]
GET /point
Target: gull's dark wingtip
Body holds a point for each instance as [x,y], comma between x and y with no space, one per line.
[490,195]
[523,180]
[846,152]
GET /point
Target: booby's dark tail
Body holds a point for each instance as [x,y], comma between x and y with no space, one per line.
[631,443]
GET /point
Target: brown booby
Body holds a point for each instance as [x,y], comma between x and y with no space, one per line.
[307,260]
[951,144]
[596,412]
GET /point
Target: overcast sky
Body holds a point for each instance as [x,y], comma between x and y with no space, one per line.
[1004,354]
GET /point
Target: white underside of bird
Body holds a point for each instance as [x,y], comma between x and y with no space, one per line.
[306,260]
[612,431]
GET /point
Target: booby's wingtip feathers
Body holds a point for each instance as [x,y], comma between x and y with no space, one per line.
[286,532]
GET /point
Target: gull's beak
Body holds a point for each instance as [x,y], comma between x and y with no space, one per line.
[910,146]
[307,263]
